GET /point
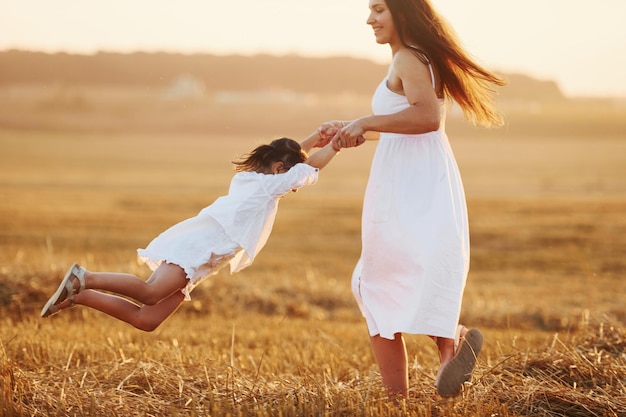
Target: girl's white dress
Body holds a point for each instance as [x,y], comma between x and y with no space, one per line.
[415,254]
[232,230]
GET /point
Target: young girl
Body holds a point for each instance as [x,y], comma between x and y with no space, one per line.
[232,231]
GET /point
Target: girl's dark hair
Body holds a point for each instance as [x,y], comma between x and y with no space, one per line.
[465,81]
[284,150]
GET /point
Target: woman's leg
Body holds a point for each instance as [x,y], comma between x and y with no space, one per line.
[392,361]
[445,346]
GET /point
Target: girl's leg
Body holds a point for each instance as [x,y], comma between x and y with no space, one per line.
[392,361]
[160,295]
[164,281]
[144,317]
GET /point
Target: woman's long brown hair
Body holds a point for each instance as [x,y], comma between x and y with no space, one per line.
[465,81]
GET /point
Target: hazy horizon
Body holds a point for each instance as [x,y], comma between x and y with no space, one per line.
[544,40]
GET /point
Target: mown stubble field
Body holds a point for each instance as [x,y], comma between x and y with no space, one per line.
[284,337]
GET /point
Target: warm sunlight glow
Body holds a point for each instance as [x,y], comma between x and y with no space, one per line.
[577,44]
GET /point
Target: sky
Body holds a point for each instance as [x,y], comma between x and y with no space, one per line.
[580,45]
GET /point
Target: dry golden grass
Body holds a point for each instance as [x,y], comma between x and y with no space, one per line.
[284,337]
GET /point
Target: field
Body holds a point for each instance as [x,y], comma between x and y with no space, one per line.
[284,337]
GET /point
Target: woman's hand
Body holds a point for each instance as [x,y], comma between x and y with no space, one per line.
[351,135]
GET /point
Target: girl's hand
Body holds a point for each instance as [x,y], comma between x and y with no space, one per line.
[327,132]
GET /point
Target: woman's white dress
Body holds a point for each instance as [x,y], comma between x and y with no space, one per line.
[415,236]
[232,230]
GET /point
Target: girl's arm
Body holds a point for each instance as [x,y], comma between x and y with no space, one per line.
[310,142]
[322,157]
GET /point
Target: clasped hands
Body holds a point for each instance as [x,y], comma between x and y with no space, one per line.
[341,134]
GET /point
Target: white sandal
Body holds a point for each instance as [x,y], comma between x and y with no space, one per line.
[65,290]
[53,309]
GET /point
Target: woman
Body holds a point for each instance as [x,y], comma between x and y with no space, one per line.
[415,255]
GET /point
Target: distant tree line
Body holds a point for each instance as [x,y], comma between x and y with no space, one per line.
[232,72]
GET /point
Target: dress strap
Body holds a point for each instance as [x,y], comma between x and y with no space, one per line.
[432,74]
[421,55]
